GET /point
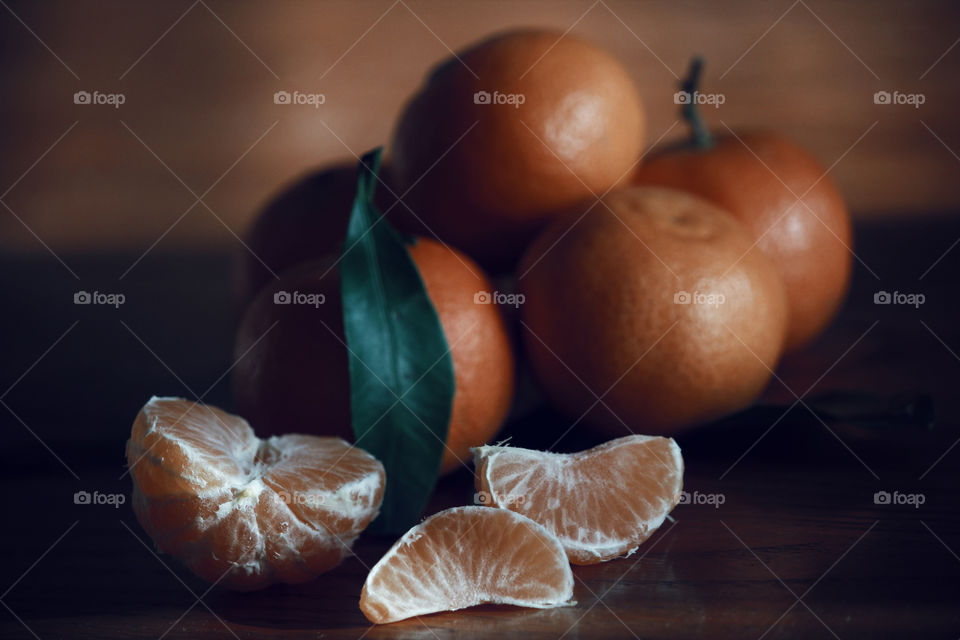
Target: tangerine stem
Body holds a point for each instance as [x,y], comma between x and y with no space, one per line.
[700,136]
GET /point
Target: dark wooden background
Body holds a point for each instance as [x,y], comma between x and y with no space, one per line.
[798,518]
[199,79]
[100,199]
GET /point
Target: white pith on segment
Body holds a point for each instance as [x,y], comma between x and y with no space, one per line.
[446,563]
[571,494]
[229,495]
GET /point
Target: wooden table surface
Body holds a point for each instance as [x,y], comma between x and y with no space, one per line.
[798,548]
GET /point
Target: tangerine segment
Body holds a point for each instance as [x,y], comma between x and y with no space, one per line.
[244,512]
[467,556]
[601,503]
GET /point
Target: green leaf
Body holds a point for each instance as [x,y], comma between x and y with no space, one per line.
[401,371]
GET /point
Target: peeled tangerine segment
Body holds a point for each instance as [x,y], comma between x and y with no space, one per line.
[467,556]
[243,512]
[601,503]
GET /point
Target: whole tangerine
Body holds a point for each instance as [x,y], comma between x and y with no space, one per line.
[305,221]
[651,314]
[508,132]
[291,370]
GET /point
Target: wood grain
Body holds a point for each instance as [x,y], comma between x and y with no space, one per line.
[199,81]
[798,518]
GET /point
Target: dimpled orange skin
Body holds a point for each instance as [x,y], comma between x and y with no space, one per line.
[600,310]
[579,131]
[809,242]
[294,377]
[306,221]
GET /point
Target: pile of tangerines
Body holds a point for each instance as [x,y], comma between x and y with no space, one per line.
[656,293]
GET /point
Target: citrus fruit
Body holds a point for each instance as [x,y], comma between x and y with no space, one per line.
[507,132]
[294,377]
[658,304]
[244,512]
[306,221]
[600,503]
[790,205]
[467,556]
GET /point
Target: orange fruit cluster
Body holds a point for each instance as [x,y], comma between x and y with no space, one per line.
[710,259]
[652,297]
[244,513]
